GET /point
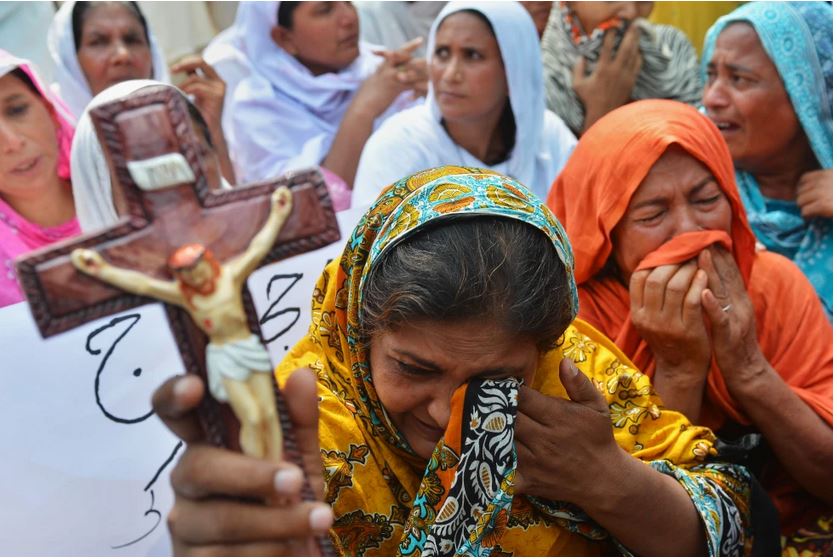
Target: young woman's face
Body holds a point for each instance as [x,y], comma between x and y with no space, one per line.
[678,195]
[746,99]
[417,367]
[324,36]
[112,47]
[467,71]
[28,140]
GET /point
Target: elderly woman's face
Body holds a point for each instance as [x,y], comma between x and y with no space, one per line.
[323,36]
[417,367]
[28,140]
[113,47]
[467,71]
[678,195]
[746,99]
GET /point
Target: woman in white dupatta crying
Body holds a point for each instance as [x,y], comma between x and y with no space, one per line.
[485,107]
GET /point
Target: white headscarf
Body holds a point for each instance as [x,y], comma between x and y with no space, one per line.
[285,117]
[91,178]
[70,83]
[415,139]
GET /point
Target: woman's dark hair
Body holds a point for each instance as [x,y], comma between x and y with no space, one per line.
[507,124]
[285,14]
[80,9]
[493,268]
[21,75]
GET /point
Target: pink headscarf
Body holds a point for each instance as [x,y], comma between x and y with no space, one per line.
[17,235]
[64,121]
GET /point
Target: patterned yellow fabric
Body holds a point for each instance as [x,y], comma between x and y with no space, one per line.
[371,474]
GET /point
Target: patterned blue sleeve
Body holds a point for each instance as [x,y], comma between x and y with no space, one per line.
[721,495]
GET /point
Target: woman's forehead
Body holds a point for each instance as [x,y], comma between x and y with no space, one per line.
[465,26]
[471,343]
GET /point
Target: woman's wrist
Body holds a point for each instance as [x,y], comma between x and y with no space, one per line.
[613,489]
[606,490]
[685,375]
[749,378]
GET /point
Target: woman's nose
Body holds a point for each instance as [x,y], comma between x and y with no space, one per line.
[348,15]
[453,70]
[121,53]
[439,408]
[10,140]
[715,94]
[687,222]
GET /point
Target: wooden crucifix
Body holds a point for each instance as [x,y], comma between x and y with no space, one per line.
[183,244]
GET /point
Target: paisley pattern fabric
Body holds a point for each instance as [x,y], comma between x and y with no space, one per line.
[797,37]
[669,63]
[388,501]
[463,502]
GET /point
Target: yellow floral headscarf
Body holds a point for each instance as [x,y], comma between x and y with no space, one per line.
[372,477]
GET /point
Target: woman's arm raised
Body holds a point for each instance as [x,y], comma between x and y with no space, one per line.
[801,440]
[567,452]
[396,74]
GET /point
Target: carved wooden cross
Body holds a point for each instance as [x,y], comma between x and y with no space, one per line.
[153,153]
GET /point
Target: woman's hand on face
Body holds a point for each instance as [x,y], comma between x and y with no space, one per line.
[564,446]
[815,194]
[610,84]
[227,503]
[206,86]
[731,318]
[666,311]
[398,72]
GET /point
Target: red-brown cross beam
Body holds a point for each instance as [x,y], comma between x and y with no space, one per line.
[154,126]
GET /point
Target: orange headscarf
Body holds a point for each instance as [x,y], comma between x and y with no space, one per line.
[592,194]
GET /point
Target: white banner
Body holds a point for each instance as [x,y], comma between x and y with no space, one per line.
[85,464]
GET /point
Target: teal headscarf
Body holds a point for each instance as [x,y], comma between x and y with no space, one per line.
[797,37]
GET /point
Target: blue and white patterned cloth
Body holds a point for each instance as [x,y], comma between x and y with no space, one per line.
[797,37]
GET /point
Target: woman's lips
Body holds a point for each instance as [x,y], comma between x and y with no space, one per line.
[726,126]
[26,166]
[448,96]
[349,41]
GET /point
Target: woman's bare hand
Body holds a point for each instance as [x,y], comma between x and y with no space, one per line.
[815,194]
[610,84]
[563,446]
[227,503]
[735,345]
[666,311]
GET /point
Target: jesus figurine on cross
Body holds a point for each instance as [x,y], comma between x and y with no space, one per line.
[237,363]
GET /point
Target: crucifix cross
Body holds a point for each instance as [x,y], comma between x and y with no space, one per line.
[152,151]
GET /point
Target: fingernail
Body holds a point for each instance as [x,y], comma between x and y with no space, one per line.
[321,518]
[183,386]
[574,371]
[288,481]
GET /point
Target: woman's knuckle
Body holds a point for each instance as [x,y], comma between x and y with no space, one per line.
[185,477]
[174,521]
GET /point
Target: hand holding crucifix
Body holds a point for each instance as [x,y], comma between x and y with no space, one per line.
[238,365]
[191,247]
